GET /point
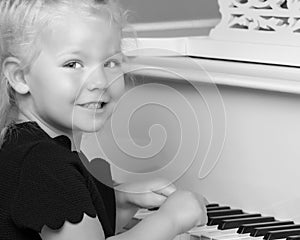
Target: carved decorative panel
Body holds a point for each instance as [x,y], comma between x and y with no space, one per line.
[264,21]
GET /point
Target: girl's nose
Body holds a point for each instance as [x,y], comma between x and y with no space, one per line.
[97,79]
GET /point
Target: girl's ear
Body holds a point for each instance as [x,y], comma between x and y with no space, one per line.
[14,73]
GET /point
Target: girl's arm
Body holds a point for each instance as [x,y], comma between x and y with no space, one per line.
[124,210]
[124,214]
[157,226]
[143,194]
[154,227]
[169,221]
[89,228]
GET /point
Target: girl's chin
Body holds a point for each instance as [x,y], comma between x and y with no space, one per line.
[89,126]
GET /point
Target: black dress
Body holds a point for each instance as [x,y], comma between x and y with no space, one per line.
[42,182]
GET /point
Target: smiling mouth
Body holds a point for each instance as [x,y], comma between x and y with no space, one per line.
[93,106]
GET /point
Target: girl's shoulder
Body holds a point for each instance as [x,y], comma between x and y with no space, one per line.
[29,140]
[49,183]
[29,149]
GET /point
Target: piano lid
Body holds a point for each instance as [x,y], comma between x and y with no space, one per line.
[256,31]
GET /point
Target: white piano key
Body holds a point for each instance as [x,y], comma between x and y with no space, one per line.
[202,231]
[233,236]
[203,228]
[182,237]
[196,232]
[142,213]
[218,233]
[250,238]
[210,234]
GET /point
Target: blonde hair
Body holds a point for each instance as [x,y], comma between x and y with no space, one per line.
[22,22]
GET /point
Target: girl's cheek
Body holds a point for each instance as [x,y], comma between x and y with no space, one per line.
[118,88]
[77,81]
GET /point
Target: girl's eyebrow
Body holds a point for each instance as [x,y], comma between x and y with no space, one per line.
[80,52]
[118,54]
[71,52]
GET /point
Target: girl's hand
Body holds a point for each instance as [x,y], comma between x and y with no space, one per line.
[186,209]
[146,194]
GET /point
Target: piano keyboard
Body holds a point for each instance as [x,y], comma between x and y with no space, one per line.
[225,223]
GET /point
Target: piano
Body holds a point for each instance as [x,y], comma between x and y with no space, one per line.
[226,223]
[219,115]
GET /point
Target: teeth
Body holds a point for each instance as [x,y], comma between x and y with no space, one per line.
[94,105]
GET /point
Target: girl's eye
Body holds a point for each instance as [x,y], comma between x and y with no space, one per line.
[73,64]
[112,64]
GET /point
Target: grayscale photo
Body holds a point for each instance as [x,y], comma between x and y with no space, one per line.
[149,120]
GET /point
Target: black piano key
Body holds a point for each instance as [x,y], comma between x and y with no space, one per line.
[224,212]
[248,228]
[281,234]
[212,205]
[217,208]
[295,237]
[235,223]
[261,231]
[153,209]
[217,220]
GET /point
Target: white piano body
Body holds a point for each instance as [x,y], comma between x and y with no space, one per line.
[225,123]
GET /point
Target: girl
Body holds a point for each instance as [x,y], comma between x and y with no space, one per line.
[61,75]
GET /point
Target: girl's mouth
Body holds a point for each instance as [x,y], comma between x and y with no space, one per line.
[94,105]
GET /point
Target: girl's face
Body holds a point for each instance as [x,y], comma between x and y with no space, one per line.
[77,78]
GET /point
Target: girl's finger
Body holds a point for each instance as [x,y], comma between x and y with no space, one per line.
[158,200]
[167,191]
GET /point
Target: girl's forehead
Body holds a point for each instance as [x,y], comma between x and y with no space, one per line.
[89,33]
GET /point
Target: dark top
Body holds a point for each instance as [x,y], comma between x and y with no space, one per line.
[42,182]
